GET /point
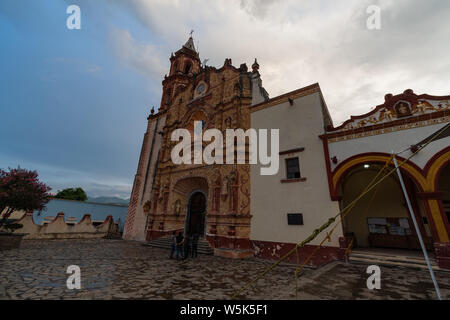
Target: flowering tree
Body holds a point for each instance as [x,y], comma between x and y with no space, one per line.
[20,189]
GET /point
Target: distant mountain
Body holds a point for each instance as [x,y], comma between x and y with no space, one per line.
[109,200]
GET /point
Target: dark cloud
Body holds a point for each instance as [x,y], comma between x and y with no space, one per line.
[81,98]
[302,42]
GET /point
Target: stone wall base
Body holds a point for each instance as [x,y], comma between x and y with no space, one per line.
[10,241]
[233,247]
[59,229]
[276,250]
[442,254]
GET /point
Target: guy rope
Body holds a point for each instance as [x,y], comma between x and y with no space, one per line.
[341,217]
[330,221]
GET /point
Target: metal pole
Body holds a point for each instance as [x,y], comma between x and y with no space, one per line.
[416,226]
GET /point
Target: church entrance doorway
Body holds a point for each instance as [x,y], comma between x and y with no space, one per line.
[196,214]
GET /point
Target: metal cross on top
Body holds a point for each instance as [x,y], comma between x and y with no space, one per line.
[192,31]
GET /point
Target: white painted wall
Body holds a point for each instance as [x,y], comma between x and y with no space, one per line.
[300,126]
[257,89]
[140,219]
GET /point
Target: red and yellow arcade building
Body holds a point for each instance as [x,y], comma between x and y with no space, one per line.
[358,149]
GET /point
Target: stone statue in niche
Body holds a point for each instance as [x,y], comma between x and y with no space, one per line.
[177,207]
[147,206]
[419,108]
[386,114]
[227,182]
[402,109]
[224,189]
[164,187]
[228,122]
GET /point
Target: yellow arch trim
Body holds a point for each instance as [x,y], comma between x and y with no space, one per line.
[377,158]
[434,207]
[434,169]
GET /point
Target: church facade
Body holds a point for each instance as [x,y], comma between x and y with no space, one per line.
[322,168]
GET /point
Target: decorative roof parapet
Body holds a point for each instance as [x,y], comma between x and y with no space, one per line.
[396,107]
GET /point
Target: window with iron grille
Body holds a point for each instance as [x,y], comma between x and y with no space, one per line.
[295,219]
[292,168]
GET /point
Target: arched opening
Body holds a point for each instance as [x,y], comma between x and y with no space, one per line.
[444,188]
[187,67]
[196,215]
[197,116]
[190,199]
[381,218]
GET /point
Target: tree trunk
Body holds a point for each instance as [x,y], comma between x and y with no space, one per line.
[7,214]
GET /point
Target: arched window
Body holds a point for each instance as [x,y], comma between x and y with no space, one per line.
[187,67]
[197,116]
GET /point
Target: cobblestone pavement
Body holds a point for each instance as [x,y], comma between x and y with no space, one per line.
[116,269]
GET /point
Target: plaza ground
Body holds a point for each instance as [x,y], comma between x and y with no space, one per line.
[117,269]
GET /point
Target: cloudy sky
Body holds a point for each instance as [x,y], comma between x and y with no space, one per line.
[73,103]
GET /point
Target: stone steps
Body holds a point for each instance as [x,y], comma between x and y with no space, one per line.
[387,259]
[165,243]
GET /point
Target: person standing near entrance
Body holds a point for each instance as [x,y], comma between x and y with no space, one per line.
[173,244]
[179,244]
[194,245]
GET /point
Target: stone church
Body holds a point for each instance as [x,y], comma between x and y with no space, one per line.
[322,168]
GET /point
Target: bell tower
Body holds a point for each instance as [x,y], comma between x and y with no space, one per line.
[184,64]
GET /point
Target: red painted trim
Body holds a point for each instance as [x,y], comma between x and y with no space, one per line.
[110,217]
[438,195]
[390,101]
[276,250]
[430,195]
[401,159]
[326,152]
[443,215]
[281,153]
[429,116]
[430,220]
[58,215]
[416,211]
[430,162]
[228,242]
[421,193]
[87,215]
